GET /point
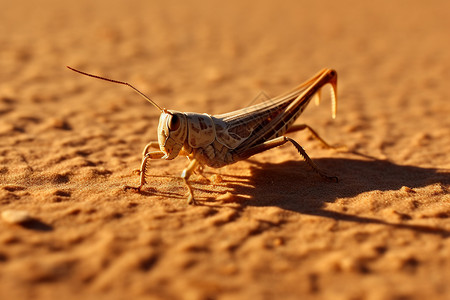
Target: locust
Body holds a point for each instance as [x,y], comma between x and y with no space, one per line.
[219,140]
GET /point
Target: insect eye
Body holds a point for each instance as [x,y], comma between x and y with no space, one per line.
[174,122]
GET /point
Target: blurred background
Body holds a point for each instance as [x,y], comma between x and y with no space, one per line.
[68,144]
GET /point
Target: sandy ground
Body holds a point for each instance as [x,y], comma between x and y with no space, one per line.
[266,228]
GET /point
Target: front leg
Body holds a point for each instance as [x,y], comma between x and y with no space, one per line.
[185,176]
[153,144]
[143,169]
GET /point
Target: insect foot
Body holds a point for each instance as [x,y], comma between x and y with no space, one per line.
[191,200]
[330,178]
[136,189]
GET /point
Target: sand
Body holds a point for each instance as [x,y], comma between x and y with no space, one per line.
[265,228]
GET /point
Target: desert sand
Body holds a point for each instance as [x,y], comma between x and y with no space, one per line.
[265,228]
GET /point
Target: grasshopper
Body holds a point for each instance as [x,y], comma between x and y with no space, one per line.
[220,140]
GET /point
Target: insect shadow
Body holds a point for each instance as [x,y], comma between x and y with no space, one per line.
[37,225]
[292,186]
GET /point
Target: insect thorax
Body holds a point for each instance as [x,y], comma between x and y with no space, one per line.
[214,155]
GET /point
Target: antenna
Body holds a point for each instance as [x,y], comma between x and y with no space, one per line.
[119,82]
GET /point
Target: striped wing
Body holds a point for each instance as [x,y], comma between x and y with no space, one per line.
[250,126]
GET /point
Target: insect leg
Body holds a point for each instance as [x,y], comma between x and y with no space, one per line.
[143,169]
[185,176]
[280,141]
[153,144]
[299,127]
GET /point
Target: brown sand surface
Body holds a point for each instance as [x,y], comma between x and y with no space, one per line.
[266,228]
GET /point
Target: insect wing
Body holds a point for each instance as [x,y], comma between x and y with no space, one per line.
[258,123]
[236,128]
